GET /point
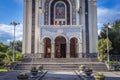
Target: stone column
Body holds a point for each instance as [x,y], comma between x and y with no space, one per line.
[41,49]
[27,26]
[36,26]
[52,50]
[68,50]
[79,45]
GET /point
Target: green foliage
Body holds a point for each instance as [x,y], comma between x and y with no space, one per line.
[3,47]
[88,70]
[102,48]
[19,56]
[114,36]
[112,62]
[9,55]
[99,75]
[2,57]
[18,45]
[1,67]
[6,53]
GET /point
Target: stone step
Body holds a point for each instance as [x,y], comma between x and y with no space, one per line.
[60,60]
[95,67]
[61,63]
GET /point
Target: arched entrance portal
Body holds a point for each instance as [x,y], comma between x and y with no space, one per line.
[47,48]
[73,48]
[60,47]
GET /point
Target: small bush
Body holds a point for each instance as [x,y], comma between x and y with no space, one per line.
[1,67]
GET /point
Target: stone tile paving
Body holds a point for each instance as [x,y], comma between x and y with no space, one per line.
[112,75]
[49,76]
[61,76]
[9,76]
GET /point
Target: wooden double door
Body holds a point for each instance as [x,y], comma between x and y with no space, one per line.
[60,50]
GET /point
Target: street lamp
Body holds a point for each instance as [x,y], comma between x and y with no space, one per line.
[14,24]
[107,32]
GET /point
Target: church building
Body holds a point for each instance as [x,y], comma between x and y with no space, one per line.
[60,28]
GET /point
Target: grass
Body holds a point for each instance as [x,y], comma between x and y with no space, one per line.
[3,70]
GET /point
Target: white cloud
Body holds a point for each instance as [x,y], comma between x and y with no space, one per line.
[9,29]
[106,15]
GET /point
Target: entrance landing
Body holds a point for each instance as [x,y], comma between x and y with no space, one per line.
[63,64]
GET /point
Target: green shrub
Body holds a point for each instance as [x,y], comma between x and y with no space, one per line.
[1,67]
[19,56]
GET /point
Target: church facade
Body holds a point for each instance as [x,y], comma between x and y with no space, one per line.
[60,28]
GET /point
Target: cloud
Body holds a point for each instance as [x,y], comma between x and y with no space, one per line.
[106,15]
[7,32]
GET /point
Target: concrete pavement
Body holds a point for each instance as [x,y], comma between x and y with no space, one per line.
[59,75]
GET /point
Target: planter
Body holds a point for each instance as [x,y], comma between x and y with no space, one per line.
[22,76]
[99,78]
[82,68]
[88,72]
[34,71]
[41,67]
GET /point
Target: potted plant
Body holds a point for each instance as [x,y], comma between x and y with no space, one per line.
[113,65]
[99,76]
[40,67]
[34,71]
[22,76]
[88,71]
[82,68]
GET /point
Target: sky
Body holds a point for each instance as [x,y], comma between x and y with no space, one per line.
[12,10]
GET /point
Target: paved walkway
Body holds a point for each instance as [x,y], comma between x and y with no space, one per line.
[8,75]
[112,75]
[59,75]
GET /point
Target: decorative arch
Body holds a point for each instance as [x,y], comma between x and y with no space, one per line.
[79,40]
[73,47]
[60,47]
[47,47]
[62,36]
[42,40]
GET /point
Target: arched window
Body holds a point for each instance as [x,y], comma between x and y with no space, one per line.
[60,13]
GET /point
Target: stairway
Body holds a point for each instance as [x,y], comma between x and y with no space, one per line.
[61,64]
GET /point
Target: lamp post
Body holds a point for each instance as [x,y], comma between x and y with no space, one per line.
[107,32]
[14,24]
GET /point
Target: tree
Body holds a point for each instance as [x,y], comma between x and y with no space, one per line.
[114,36]
[102,48]
[3,47]
[18,55]
[18,45]
[2,57]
